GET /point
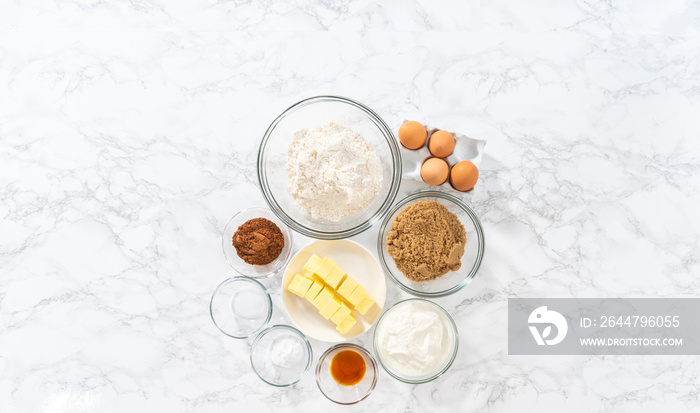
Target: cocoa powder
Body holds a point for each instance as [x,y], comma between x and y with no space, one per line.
[258,241]
[426,241]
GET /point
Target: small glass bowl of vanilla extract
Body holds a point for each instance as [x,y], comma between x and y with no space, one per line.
[346,373]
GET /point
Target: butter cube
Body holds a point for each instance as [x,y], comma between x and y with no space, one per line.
[324,268]
[346,325]
[357,296]
[365,305]
[300,285]
[312,263]
[315,288]
[335,277]
[323,298]
[331,308]
[343,312]
[347,287]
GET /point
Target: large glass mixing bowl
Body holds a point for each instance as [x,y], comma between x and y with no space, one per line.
[311,113]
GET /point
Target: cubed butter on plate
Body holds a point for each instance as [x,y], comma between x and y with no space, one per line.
[315,288]
[300,285]
[323,298]
[312,263]
[346,324]
[335,276]
[343,312]
[324,268]
[347,287]
[320,288]
[331,308]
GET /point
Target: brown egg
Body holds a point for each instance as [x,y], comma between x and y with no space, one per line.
[464,175]
[412,134]
[441,144]
[434,171]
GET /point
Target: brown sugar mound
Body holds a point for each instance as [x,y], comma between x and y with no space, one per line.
[258,241]
[426,241]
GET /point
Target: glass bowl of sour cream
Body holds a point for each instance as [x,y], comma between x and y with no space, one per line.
[416,341]
[329,167]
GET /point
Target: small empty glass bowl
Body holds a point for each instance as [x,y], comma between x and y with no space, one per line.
[311,113]
[255,271]
[240,307]
[281,355]
[473,250]
[340,393]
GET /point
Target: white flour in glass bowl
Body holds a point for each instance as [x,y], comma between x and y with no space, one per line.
[333,172]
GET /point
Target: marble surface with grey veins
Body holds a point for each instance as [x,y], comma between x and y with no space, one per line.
[128,133]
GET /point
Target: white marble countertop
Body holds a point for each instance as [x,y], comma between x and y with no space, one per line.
[128,132]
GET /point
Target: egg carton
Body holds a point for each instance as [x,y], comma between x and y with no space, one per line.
[466,149]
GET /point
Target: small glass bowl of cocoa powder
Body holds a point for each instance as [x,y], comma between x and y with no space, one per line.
[256,243]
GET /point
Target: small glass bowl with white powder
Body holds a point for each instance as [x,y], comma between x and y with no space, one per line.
[416,341]
[281,355]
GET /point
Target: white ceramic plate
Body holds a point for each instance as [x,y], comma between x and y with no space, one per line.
[357,262]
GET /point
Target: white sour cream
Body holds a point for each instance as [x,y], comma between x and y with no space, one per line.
[414,338]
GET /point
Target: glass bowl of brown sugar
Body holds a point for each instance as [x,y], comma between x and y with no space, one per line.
[414,270]
[256,243]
